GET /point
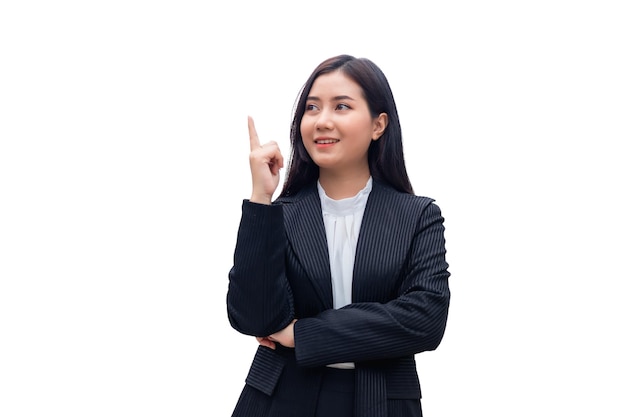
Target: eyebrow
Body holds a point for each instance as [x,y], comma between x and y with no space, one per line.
[336,98]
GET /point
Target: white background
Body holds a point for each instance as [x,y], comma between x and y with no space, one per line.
[123,165]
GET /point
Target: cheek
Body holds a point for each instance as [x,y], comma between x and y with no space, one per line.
[306,134]
[306,128]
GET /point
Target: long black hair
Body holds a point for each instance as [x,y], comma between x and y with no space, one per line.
[385,155]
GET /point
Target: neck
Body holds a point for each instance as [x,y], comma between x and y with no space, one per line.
[337,186]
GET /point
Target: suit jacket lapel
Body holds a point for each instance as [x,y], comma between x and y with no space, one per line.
[305,230]
[380,246]
[384,238]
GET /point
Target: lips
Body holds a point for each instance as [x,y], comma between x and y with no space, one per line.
[325,141]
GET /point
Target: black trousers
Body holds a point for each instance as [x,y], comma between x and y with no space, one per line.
[336,396]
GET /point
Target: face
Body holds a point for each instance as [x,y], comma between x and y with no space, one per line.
[337,127]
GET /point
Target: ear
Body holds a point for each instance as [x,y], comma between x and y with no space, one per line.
[379,125]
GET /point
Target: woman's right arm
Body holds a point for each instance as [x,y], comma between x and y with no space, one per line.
[259,300]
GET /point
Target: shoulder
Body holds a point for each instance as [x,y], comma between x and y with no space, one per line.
[304,194]
[400,211]
[392,198]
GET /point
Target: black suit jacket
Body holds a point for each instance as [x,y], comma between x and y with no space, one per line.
[400,300]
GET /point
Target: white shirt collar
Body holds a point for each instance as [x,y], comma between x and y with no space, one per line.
[345,206]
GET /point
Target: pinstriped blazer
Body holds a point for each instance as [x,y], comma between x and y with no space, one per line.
[400,296]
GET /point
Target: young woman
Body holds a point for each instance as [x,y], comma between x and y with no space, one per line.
[343,278]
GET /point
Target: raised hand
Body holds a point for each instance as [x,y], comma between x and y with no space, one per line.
[265,164]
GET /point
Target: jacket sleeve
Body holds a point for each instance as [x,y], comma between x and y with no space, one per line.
[259,300]
[411,323]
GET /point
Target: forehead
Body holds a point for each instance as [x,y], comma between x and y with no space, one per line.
[335,83]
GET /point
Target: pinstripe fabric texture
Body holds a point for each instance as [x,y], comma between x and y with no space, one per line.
[400,301]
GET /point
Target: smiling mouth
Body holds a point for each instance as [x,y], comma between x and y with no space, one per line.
[326,141]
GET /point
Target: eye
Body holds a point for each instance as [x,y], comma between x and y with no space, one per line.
[342,106]
[310,107]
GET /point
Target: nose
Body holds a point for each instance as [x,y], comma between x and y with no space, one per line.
[324,120]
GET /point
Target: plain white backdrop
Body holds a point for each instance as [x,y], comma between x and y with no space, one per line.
[123,165]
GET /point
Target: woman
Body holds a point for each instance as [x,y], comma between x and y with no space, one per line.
[343,278]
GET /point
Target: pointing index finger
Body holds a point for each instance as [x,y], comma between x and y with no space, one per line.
[254,138]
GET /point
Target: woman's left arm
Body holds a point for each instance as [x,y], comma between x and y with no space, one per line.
[413,322]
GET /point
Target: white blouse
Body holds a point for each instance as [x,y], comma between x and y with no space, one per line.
[342,219]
